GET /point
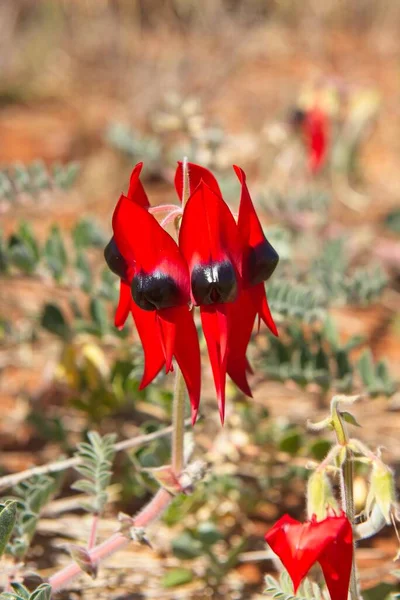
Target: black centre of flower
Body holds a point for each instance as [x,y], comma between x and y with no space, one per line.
[114,259]
[261,263]
[214,283]
[155,291]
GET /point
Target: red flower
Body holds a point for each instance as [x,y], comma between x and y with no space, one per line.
[155,288]
[316,132]
[329,542]
[219,265]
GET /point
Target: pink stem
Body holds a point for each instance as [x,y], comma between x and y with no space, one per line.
[162,208]
[93,532]
[116,542]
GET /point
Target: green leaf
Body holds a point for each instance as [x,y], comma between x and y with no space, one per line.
[54,321]
[208,534]
[331,332]
[320,449]
[99,315]
[185,546]
[392,220]
[84,272]
[178,576]
[23,249]
[366,368]
[349,418]
[4,259]
[291,441]
[8,517]
[379,592]
[88,233]
[21,590]
[64,176]
[43,592]
[55,254]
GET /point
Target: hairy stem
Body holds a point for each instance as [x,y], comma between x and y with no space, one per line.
[178,410]
[116,542]
[178,423]
[346,486]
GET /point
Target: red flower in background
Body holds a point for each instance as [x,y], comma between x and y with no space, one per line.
[219,265]
[316,128]
[329,542]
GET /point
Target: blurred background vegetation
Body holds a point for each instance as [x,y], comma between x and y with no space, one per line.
[86,90]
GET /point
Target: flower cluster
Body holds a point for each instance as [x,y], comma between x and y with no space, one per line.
[218,264]
[329,542]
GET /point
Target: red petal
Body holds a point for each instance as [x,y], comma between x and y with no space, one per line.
[262,309]
[196,174]
[242,314]
[166,319]
[300,545]
[250,229]
[140,237]
[149,333]
[136,190]
[259,257]
[208,230]
[336,561]
[124,304]
[215,326]
[179,331]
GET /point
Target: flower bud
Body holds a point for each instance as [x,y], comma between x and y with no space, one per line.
[320,498]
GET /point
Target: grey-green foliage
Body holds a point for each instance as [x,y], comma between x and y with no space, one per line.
[96,457]
[331,272]
[317,356]
[316,202]
[31,495]
[55,254]
[20,592]
[22,250]
[87,233]
[306,358]
[364,285]
[283,589]
[296,300]
[135,145]
[83,272]
[35,178]
[375,376]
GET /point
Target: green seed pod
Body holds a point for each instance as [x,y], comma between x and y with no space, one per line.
[382,490]
[320,498]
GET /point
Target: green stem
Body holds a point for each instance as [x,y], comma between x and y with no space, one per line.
[346,485]
[178,409]
[178,423]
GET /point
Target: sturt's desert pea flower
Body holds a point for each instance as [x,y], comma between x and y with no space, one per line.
[155,288]
[218,264]
[328,542]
